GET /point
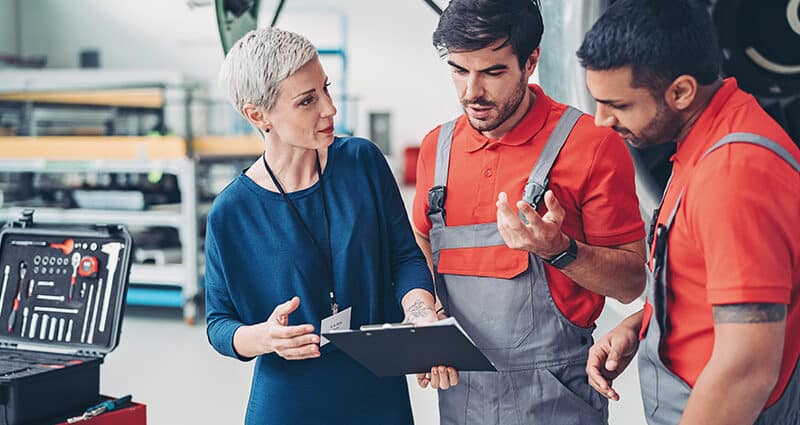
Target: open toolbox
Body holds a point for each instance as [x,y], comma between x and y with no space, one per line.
[62,297]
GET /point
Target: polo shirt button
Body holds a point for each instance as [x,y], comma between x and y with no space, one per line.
[488,173]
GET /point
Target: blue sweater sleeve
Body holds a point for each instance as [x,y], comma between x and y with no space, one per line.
[222,321]
[409,268]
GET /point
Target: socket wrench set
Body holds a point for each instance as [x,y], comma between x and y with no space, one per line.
[62,296]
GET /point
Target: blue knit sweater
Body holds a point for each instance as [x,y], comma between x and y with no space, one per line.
[258,256]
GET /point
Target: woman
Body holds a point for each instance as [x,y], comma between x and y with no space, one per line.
[313,227]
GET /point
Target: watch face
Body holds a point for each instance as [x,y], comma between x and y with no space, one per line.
[565,258]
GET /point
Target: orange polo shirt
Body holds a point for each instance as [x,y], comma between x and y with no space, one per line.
[592,178]
[735,238]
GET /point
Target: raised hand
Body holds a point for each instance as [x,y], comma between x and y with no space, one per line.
[541,235]
[274,335]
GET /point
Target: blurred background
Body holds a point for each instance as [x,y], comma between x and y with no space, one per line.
[110,112]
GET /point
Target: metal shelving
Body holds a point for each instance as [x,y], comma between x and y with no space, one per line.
[166,155]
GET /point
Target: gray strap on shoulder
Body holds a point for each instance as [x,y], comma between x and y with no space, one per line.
[751,138]
[755,139]
[443,145]
[538,180]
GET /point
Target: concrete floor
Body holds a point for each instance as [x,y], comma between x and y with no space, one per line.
[170,367]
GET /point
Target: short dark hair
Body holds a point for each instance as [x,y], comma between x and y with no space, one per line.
[659,39]
[468,25]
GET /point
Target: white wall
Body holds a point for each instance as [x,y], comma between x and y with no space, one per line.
[392,65]
[8,27]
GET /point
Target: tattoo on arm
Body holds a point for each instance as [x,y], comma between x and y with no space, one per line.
[749,313]
[418,309]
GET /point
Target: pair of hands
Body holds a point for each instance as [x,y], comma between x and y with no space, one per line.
[611,354]
[542,236]
[299,343]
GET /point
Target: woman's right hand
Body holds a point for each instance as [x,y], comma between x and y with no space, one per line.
[274,335]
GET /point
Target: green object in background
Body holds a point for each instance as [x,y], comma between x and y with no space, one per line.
[235,18]
[155,176]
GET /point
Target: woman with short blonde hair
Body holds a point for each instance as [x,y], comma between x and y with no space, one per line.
[314,228]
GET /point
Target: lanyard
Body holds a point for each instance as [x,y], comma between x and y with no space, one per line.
[327,259]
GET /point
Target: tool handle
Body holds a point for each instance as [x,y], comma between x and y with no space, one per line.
[107,406]
[116,404]
[12,317]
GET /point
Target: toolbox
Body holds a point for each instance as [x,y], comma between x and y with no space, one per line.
[62,296]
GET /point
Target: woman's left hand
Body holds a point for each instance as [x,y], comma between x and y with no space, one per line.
[419,307]
[439,378]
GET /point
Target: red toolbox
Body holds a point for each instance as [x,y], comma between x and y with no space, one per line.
[132,414]
[62,296]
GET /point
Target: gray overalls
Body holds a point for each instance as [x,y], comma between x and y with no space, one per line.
[539,354]
[665,394]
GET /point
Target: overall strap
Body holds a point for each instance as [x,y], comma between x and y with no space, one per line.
[539,178]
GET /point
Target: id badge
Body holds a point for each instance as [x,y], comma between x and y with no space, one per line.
[337,322]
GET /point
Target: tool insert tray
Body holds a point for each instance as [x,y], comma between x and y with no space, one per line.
[62,295]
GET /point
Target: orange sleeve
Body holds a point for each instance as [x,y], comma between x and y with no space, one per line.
[745,212]
[610,207]
[425,169]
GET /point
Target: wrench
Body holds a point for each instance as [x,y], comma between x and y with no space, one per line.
[24,321]
[86,316]
[112,249]
[90,338]
[76,259]
[6,272]
[12,318]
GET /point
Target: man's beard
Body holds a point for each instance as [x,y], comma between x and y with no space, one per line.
[505,110]
[663,128]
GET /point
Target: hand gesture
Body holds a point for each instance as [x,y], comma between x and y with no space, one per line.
[609,357]
[541,235]
[289,342]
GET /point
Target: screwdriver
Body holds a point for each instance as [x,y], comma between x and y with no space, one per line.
[23,268]
[76,260]
[103,407]
[29,243]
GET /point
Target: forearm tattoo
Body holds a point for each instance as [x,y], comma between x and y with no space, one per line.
[749,313]
[418,309]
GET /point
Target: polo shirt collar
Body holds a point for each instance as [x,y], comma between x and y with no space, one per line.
[524,131]
[690,146]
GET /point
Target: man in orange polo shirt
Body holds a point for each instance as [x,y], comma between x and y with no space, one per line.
[527,288]
[721,328]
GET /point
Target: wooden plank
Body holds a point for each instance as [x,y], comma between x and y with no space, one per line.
[227,146]
[87,148]
[135,98]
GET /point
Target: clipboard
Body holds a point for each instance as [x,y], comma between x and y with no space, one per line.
[402,349]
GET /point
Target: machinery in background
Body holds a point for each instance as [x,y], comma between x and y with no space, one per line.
[761,48]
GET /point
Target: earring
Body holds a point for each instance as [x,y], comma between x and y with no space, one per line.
[266,130]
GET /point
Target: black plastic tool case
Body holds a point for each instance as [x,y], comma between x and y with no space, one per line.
[50,358]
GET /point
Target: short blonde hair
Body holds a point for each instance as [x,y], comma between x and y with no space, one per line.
[257,64]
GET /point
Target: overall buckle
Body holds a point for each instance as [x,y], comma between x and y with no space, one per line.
[534,193]
[436,198]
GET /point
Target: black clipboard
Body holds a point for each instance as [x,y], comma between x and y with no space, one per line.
[402,349]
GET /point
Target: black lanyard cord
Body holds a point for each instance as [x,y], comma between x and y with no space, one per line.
[326,259]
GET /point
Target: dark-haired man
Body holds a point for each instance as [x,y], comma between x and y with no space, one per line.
[526,237]
[721,329]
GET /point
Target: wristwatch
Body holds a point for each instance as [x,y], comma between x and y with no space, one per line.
[566,257]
